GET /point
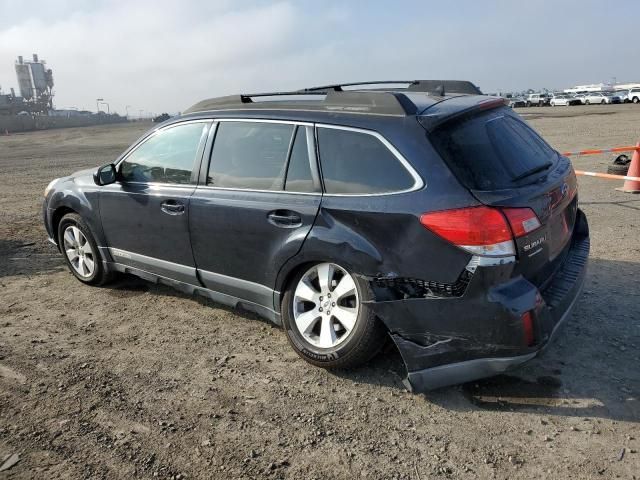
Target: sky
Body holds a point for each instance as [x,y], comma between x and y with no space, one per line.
[163,56]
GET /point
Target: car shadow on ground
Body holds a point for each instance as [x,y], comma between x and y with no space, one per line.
[591,370]
[28,258]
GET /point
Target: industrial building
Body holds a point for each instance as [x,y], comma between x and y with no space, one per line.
[35,83]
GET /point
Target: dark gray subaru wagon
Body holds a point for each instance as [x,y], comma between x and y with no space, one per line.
[422,211]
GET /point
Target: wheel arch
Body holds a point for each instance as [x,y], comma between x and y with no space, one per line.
[57,215]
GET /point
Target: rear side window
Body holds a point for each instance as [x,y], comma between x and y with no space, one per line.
[250,155]
[299,177]
[493,150]
[359,163]
[165,157]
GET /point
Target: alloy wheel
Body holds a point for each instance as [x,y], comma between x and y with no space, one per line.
[79,252]
[326,305]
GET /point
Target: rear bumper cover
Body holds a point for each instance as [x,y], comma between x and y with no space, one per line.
[447,341]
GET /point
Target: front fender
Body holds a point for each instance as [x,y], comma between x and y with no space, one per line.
[81,195]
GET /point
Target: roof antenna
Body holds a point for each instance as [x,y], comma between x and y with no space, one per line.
[439,91]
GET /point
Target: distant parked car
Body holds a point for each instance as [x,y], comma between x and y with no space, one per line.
[516,102]
[538,100]
[564,99]
[581,97]
[634,95]
[623,94]
[600,97]
[162,118]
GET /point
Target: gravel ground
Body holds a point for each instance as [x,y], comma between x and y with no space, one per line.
[137,380]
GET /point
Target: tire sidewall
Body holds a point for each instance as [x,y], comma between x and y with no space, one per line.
[323,356]
[75,220]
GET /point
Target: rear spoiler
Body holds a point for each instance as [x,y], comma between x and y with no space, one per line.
[456,107]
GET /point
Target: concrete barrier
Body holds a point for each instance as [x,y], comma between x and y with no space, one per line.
[25,123]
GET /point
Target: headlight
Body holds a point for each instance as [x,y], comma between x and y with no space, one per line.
[49,187]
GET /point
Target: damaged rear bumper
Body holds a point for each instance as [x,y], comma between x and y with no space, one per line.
[447,341]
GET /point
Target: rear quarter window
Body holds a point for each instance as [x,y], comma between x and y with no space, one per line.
[493,150]
[357,163]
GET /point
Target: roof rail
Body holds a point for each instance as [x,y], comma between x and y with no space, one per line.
[438,87]
[338,87]
[376,102]
[382,101]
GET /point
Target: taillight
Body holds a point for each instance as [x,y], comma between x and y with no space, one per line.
[522,220]
[527,327]
[482,230]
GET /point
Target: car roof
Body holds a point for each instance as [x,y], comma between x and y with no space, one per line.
[411,99]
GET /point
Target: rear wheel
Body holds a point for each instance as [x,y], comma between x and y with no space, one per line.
[636,99]
[325,319]
[528,103]
[80,250]
[603,102]
[586,102]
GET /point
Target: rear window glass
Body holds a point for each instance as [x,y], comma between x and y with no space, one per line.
[250,155]
[359,163]
[299,177]
[493,150]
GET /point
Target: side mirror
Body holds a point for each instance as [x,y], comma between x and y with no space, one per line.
[105,175]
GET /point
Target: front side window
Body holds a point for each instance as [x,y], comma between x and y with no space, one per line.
[250,155]
[167,156]
[359,163]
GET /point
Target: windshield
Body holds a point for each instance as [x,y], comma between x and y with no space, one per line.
[493,150]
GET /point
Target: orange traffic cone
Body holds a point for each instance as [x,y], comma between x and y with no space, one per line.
[633,186]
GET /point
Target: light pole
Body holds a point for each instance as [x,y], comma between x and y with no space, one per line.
[127,110]
[141,110]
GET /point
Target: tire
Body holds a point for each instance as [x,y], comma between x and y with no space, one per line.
[586,102]
[528,103]
[618,169]
[74,234]
[636,100]
[541,104]
[602,102]
[306,317]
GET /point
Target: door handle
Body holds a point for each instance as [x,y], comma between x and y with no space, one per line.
[284,218]
[172,207]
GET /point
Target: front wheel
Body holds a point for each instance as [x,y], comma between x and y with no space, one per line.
[586,102]
[636,99]
[326,320]
[80,250]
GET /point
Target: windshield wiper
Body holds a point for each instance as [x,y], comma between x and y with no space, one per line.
[532,171]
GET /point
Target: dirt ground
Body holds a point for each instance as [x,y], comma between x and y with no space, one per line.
[137,380]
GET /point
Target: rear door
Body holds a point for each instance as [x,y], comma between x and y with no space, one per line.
[258,197]
[506,163]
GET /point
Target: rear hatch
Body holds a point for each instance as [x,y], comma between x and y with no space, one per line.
[506,164]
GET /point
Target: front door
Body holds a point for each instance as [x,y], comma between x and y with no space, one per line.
[145,213]
[255,205]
